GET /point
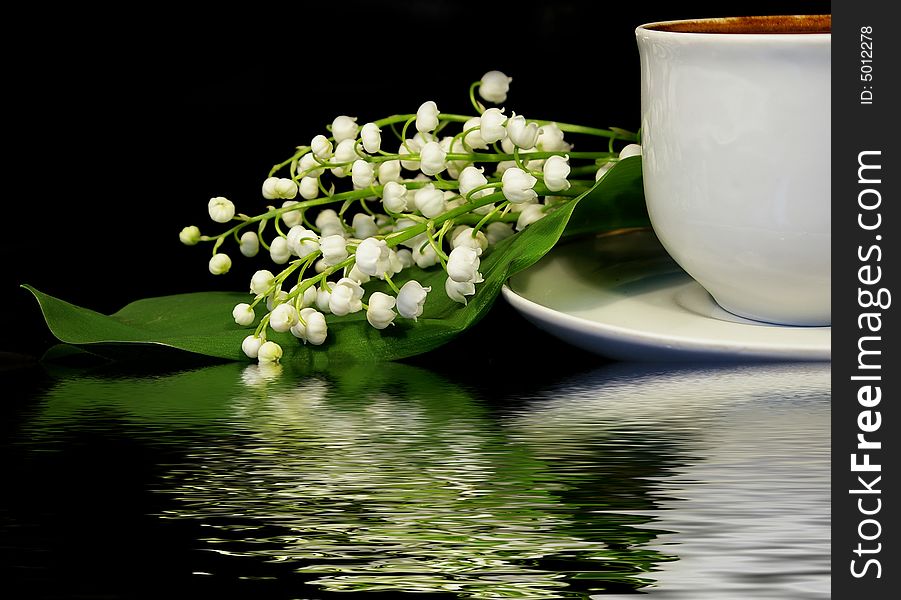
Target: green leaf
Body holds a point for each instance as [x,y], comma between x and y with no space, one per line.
[202,322]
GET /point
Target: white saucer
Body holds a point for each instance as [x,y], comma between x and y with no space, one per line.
[621,296]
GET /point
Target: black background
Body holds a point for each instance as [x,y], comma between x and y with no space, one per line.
[122,127]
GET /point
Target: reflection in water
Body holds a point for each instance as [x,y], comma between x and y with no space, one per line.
[687,483]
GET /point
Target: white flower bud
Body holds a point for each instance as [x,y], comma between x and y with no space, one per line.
[243,314]
[474,140]
[463,263]
[322,147]
[424,254]
[630,150]
[397,264]
[551,139]
[603,170]
[427,117]
[502,167]
[344,128]
[381,313]
[405,257]
[411,299]
[358,275]
[301,241]
[429,201]
[345,154]
[311,327]
[497,231]
[361,174]
[279,251]
[221,209]
[269,191]
[494,87]
[286,188]
[389,171]
[322,299]
[556,171]
[309,188]
[372,257]
[283,317]
[329,223]
[309,166]
[410,165]
[521,133]
[334,249]
[220,264]
[309,296]
[269,352]
[432,159]
[291,217]
[517,185]
[364,226]
[372,137]
[465,238]
[528,215]
[261,282]
[471,178]
[492,125]
[346,297]
[458,290]
[249,244]
[251,346]
[190,235]
[394,197]
[275,298]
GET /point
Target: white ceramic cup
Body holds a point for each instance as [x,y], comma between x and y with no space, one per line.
[735,132]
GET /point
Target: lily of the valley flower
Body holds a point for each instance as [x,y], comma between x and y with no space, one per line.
[346,297]
[345,154]
[301,241]
[389,171]
[190,235]
[492,125]
[364,226]
[311,327]
[280,250]
[362,174]
[494,87]
[333,248]
[471,178]
[283,317]
[269,352]
[220,264]
[463,264]
[551,139]
[243,314]
[517,185]
[221,209]
[381,313]
[556,171]
[394,197]
[474,139]
[427,117]
[321,147]
[251,346]
[529,214]
[429,201]
[522,133]
[249,244]
[261,282]
[344,128]
[411,298]
[432,159]
[372,257]
[309,166]
[329,223]
[458,290]
[468,237]
[279,188]
[308,188]
[371,136]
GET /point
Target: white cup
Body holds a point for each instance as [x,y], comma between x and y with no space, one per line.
[735,132]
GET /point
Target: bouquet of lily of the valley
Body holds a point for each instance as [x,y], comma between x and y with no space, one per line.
[390,237]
